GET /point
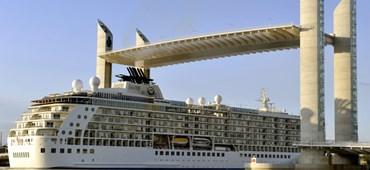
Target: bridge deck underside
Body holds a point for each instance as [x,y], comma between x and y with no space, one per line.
[207,47]
[343,149]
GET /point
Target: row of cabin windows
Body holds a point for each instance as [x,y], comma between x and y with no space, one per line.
[107,142]
[136,143]
[178,153]
[267,148]
[212,123]
[69,150]
[264,155]
[182,110]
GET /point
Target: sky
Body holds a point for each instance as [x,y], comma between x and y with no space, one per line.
[44,45]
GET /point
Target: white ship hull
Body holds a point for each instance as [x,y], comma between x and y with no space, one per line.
[28,155]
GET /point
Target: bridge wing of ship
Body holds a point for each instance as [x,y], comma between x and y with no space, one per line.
[207,47]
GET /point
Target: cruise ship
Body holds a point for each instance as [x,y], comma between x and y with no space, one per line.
[132,126]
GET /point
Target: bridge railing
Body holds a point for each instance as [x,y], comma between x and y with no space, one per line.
[332,143]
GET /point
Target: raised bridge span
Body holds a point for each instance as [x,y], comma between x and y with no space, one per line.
[208,47]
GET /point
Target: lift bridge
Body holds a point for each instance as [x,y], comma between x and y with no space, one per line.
[308,36]
[208,47]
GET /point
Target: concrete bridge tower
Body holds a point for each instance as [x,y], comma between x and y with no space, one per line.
[142,40]
[104,44]
[312,71]
[345,78]
[312,80]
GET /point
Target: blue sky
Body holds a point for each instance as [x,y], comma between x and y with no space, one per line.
[46,44]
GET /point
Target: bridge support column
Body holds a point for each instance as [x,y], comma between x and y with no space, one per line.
[312,82]
[345,78]
[312,159]
[104,44]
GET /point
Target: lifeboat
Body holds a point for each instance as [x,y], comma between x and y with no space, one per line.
[180,140]
[201,142]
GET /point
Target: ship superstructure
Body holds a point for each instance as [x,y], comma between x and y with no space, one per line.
[131,125]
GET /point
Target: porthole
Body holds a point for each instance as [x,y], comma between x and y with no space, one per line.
[85,117]
[70,132]
[93,109]
[86,109]
[78,124]
[78,116]
[63,132]
[71,124]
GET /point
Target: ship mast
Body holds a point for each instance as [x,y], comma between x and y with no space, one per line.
[265,101]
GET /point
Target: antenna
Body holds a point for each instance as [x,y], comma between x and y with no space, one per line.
[265,101]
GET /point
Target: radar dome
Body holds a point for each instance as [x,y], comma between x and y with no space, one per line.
[202,101]
[77,85]
[94,83]
[218,99]
[189,101]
